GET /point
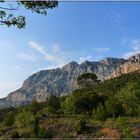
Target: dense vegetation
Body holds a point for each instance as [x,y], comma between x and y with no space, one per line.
[96,109]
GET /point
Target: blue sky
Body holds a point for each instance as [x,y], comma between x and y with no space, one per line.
[76,31]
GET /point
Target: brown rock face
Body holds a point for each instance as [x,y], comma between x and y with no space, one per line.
[133,64]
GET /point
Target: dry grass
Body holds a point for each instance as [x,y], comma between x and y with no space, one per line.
[65,127]
[110,133]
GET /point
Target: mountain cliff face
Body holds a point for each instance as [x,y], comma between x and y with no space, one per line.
[133,64]
[62,81]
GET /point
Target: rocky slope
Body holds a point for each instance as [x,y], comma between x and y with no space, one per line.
[62,81]
[133,64]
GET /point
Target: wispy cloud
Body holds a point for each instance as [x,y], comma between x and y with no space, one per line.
[118,22]
[55,48]
[47,56]
[135,48]
[53,66]
[18,67]
[128,54]
[135,44]
[100,50]
[84,58]
[27,56]
[6,87]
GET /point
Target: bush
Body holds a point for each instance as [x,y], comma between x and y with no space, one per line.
[24,121]
[121,122]
[138,111]
[81,126]
[42,133]
[127,133]
[50,133]
[114,108]
[100,113]
[13,134]
[10,119]
[35,130]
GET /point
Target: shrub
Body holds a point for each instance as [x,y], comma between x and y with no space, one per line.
[120,122]
[24,121]
[138,111]
[81,126]
[100,113]
[127,133]
[10,119]
[50,133]
[42,133]
[13,134]
[35,130]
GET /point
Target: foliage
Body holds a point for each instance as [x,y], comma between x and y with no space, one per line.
[114,107]
[35,130]
[4,112]
[82,101]
[138,111]
[53,104]
[34,107]
[100,113]
[87,80]
[86,102]
[127,133]
[24,121]
[113,86]
[13,134]
[50,133]
[68,105]
[7,10]
[129,97]
[81,126]
[10,119]
[117,97]
[42,133]
[121,122]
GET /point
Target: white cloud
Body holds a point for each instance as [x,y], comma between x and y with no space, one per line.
[27,56]
[37,47]
[101,49]
[7,87]
[18,67]
[84,58]
[53,66]
[98,58]
[128,54]
[55,48]
[47,56]
[135,46]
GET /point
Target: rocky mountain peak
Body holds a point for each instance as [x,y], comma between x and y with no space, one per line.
[110,61]
[72,64]
[132,64]
[135,58]
[87,63]
[62,81]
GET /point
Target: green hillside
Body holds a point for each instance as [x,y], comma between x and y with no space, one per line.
[108,109]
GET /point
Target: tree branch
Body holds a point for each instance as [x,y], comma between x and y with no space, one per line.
[2,22]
